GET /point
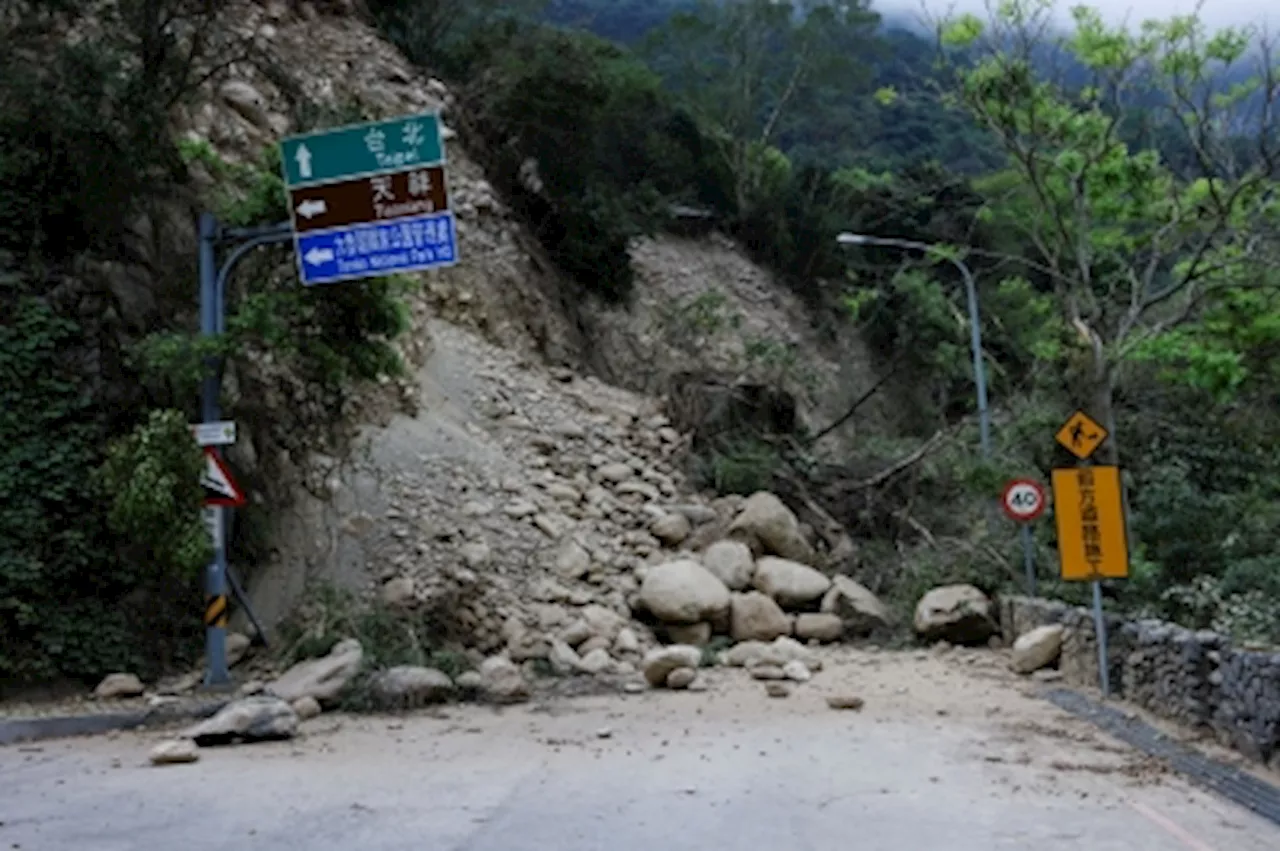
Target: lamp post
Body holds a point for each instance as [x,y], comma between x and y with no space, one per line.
[975,324]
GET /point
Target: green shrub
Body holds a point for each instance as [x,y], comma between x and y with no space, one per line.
[152,479]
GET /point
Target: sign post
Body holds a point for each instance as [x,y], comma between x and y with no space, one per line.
[1092,539]
[368,200]
[1023,502]
[365,200]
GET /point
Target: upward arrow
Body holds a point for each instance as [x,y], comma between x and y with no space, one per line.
[304,160]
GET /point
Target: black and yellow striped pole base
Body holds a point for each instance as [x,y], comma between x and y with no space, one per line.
[215,611]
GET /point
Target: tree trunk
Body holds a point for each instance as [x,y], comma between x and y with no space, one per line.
[1104,388]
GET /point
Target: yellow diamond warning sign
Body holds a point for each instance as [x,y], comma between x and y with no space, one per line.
[1081,436]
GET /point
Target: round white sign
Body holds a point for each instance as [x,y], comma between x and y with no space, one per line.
[1023,500]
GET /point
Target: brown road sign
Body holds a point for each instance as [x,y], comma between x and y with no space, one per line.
[412,192]
[1092,543]
[1081,436]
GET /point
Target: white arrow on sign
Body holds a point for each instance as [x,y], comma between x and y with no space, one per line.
[312,207]
[318,256]
[304,160]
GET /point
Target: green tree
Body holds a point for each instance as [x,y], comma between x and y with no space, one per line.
[743,66]
[1135,246]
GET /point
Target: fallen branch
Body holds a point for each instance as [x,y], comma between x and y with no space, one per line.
[919,528]
[930,445]
[860,401]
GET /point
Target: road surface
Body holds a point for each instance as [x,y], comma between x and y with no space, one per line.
[948,753]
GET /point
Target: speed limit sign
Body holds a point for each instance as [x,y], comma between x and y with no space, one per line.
[1023,500]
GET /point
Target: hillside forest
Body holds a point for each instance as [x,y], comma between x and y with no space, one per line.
[1112,190]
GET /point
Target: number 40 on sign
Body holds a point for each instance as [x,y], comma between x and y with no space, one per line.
[1023,500]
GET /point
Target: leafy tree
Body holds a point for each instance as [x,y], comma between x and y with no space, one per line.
[743,67]
[1134,245]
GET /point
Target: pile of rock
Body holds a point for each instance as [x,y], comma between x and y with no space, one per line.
[755,584]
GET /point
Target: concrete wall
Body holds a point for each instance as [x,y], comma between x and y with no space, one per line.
[1195,678]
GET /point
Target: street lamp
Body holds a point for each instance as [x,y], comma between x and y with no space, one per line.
[975,324]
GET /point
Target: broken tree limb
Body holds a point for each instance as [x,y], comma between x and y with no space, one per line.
[939,438]
[860,401]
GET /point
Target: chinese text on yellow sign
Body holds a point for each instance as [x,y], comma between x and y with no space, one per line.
[1091,528]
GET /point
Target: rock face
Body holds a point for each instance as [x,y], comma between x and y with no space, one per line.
[502,681]
[960,614]
[661,661]
[1037,649]
[115,686]
[790,583]
[324,678]
[250,719]
[756,617]
[684,592]
[408,686]
[859,609]
[770,528]
[237,647]
[732,563]
[175,752]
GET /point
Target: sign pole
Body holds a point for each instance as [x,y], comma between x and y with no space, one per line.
[1091,506]
[1029,558]
[1024,502]
[215,614]
[1100,629]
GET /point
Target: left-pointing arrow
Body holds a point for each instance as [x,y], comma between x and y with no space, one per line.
[318,256]
[312,207]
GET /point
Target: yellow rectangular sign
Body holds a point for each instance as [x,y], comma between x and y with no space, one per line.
[1092,543]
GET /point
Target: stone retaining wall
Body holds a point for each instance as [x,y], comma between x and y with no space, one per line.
[1194,678]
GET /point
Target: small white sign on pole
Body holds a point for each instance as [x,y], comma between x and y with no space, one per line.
[215,434]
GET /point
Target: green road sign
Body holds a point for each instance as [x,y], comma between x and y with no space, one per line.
[359,150]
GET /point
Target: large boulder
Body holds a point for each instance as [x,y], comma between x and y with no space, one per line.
[661,661]
[1037,649]
[732,563]
[410,686]
[819,627]
[501,681]
[756,617]
[859,609]
[788,582]
[251,719]
[323,678]
[770,528]
[671,529]
[960,614]
[684,592]
[115,686]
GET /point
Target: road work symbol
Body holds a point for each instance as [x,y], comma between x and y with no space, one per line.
[1081,436]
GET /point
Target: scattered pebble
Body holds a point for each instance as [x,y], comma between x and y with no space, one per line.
[845,701]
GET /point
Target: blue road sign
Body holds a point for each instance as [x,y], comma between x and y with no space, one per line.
[373,250]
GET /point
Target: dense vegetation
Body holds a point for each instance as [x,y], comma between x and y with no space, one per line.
[102,547]
[1112,191]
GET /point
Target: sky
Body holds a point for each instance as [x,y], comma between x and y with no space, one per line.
[1215,13]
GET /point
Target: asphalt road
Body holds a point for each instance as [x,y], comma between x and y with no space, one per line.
[944,756]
